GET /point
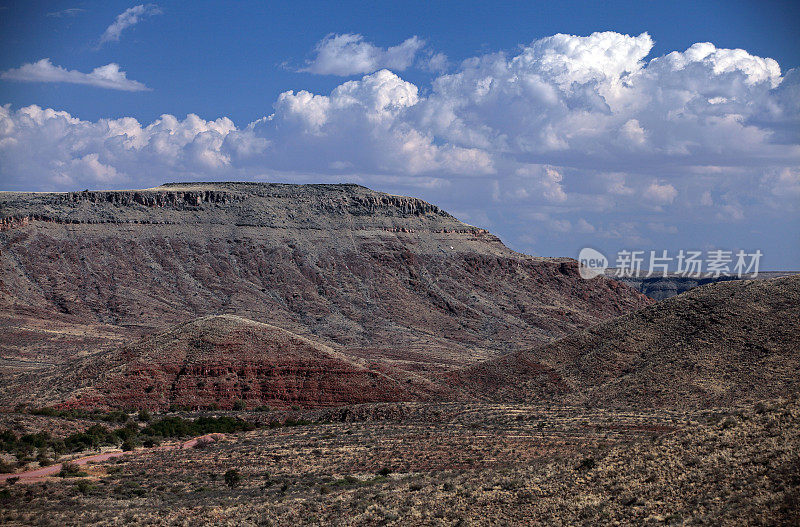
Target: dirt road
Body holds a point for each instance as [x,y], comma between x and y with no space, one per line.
[52,470]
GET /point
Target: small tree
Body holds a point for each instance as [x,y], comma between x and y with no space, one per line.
[6,467]
[144,415]
[43,458]
[83,487]
[239,405]
[587,464]
[70,470]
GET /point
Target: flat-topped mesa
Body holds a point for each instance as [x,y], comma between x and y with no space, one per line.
[386,277]
[253,204]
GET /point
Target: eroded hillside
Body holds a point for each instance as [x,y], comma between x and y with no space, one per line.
[722,344]
[381,277]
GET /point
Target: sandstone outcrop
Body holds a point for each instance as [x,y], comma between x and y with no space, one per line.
[219,361]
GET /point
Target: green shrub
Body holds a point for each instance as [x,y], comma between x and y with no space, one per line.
[116,416]
[83,487]
[24,453]
[232,477]
[43,458]
[72,413]
[587,463]
[93,437]
[295,422]
[5,468]
[70,470]
[38,440]
[347,481]
[179,427]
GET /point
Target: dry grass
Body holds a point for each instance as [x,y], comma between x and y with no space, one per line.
[473,465]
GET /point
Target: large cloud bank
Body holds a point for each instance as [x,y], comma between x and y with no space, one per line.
[568,125]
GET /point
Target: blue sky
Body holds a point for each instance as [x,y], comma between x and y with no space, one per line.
[624,132]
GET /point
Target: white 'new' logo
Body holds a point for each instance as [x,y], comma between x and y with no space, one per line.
[591,263]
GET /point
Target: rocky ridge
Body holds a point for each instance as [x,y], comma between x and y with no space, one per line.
[241,204]
[662,287]
[722,344]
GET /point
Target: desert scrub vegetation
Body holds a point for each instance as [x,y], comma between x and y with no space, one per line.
[412,472]
[232,477]
[111,416]
[46,449]
[42,443]
[71,470]
[180,427]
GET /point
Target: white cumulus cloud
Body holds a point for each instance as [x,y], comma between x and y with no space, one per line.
[574,134]
[108,76]
[350,54]
[597,98]
[660,194]
[63,151]
[365,123]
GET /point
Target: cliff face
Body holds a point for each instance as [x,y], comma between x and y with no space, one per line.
[378,277]
[242,204]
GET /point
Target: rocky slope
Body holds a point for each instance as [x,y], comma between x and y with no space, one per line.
[218,361]
[717,345]
[377,276]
